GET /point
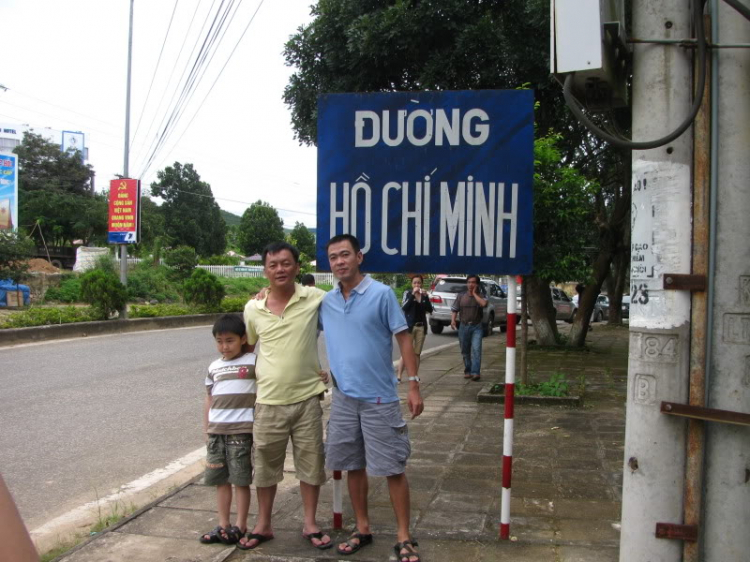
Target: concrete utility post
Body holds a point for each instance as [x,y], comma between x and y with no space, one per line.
[727,485]
[126,157]
[654,470]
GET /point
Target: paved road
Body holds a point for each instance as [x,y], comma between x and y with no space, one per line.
[82,417]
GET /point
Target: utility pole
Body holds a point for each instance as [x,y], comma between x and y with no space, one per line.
[126,159]
[654,468]
[727,467]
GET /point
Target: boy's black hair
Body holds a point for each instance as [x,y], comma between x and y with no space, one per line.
[342,238]
[276,247]
[230,324]
[307,279]
[479,281]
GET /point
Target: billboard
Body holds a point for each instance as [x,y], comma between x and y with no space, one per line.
[73,140]
[429,181]
[124,211]
[8,191]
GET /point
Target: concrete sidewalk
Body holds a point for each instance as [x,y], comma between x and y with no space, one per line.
[567,474]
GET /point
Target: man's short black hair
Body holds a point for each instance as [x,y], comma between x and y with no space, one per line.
[344,238]
[229,324]
[479,281]
[276,247]
[307,279]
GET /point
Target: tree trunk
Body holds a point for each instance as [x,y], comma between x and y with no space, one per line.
[541,310]
[618,286]
[586,302]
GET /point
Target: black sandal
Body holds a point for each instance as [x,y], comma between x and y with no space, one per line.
[319,535]
[254,536]
[213,536]
[233,535]
[364,540]
[408,545]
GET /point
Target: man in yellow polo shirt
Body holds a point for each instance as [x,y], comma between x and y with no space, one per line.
[289,392]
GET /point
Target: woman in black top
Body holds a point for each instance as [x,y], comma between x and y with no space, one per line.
[416,305]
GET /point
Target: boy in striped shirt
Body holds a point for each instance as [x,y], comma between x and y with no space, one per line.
[228,424]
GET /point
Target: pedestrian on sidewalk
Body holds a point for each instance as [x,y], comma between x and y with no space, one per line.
[290,388]
[416,306]
[468,309]
[366,431]
[228,425]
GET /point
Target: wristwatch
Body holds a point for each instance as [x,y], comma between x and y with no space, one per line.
[413,379]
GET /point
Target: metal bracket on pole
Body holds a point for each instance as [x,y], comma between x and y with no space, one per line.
[684,282]
[687,533]
[705,414]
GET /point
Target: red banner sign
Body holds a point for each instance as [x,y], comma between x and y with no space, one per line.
[124,207]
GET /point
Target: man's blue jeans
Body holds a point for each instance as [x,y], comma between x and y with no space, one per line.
[470,338]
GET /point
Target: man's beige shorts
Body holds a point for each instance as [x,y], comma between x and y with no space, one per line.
[417,338]
[272,428]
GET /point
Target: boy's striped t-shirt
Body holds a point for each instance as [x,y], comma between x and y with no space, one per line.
[232,388]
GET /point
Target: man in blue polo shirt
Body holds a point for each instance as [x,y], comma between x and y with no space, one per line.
[366,431]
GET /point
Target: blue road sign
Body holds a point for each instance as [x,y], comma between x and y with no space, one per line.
[429,181]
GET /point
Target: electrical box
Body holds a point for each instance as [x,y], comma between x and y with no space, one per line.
[588,39]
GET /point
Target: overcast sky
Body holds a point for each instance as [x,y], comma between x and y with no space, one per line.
[65,67]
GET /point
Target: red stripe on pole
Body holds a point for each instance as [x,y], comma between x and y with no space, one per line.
[507,470]
[511,337]
[504,531]
[510,392]
[338,521]
[337,475]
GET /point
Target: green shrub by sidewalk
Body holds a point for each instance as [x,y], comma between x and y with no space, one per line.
[147,281]
[103,291]
[203,289]
[243,286]
[69,290]
[46,316]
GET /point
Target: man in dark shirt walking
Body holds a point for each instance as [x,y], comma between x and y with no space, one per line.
[468,309]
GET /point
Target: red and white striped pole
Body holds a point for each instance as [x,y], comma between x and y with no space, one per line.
[338,500]
[510,386]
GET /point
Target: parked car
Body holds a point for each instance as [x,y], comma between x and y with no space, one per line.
[564,307]
[601,308]
[444,293]
[625,306]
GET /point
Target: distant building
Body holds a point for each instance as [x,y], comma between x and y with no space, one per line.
[11,135]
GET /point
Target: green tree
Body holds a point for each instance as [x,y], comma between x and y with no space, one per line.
[302,239]
[55,199]
[563,223]
[152,226]
[203,289]
[191,215]
[182,260]
[14,253]
[101,288]
[260,225]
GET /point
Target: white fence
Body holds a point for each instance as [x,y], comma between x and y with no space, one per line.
[251,271]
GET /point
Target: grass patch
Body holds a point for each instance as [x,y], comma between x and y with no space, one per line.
[557,385]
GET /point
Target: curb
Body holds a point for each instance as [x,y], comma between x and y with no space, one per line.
[36,334]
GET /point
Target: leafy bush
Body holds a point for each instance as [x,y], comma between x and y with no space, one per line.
[243,286]
[151,282]
[46,316]
[102,290]
[233,304]
[159,310]
[69,290]
[203,289]
[182,260]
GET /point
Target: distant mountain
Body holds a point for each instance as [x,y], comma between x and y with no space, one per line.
[230,218]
